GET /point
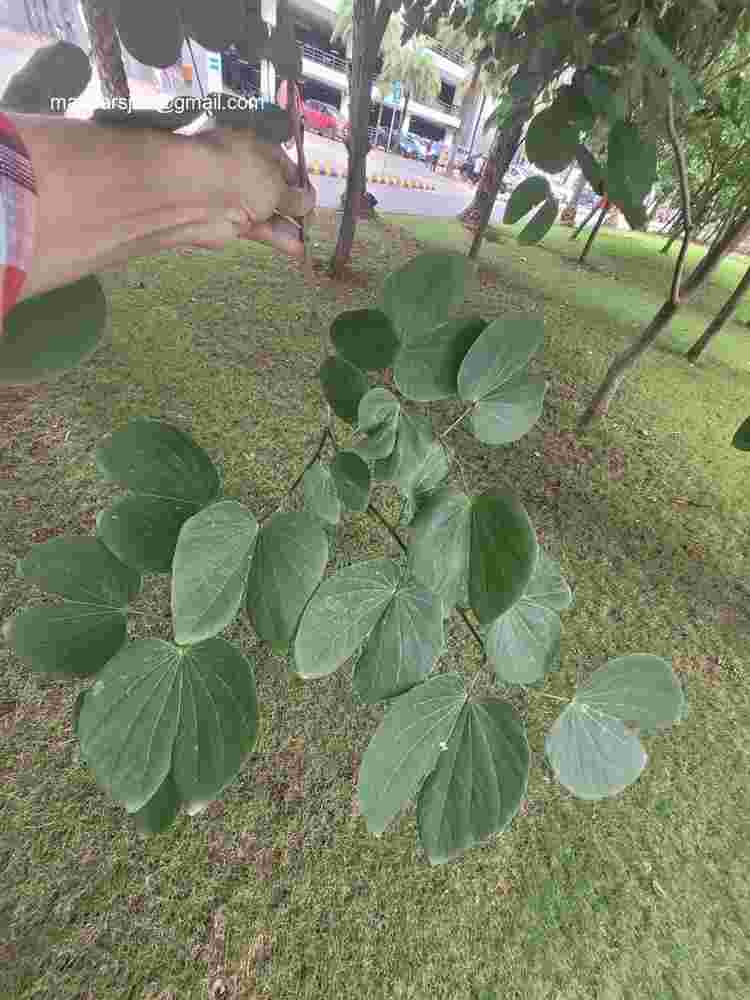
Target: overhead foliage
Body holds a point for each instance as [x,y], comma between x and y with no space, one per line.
[166,725]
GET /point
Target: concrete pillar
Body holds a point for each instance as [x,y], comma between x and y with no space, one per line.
[406,123]
[267,70]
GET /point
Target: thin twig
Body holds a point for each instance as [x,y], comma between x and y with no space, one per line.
[684,198]
[471,628]
[455,423]
[371,509]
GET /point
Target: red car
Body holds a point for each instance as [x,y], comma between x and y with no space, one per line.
[319,119]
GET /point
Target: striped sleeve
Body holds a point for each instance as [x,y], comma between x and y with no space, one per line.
[18,207]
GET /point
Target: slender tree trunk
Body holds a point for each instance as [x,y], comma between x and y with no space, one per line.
[568,216]
[468,105]
[368,28]
[586,221]
[722,317]
[624,361]
[106,49]
[541,67]
[594,233]
[407,98]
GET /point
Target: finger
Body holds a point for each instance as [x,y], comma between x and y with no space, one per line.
[279,233]
[289,168]
[296,201]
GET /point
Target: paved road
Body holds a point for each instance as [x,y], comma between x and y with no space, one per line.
[408,202]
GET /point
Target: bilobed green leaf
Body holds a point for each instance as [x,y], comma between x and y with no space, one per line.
[526,196]
[741,439]
[427,366]
[378,417]
[342,613]
[503,553]
[73,639]
[406,747]
[351,477]
[573,109]
[366,338]
[81,570]
[210,570]
[479,781]
[402,648]
[142,531]
[150,32]
[288,564]
[61,70]
[51,333]
[502,349]
[593,756]
[551,141]
[591,168]
[631,171]
[151,457]
[539,224]
[642,690]
[344,385]
[508,401]
[321,498]
[431,474]
[157,709]
[423,293]
[413,444]
[511,411]
[215,25]
[523,644]
[663,58]
[600,87]
[441,545]
[592,747]
[161,809]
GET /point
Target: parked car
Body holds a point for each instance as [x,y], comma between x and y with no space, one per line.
[342,125]
[378,137]
[410,148]
[319,119]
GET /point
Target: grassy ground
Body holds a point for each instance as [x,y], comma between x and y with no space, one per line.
[279,884]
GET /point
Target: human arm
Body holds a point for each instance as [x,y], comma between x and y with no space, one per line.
[107,194]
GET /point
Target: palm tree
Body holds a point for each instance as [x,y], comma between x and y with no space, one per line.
[413,66]
[475,53]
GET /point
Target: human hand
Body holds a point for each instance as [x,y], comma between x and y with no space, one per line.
[253,187]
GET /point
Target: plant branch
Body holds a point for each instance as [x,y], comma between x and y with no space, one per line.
[687,219]
[455,423]
[372,509]
[313,460]
[471,628]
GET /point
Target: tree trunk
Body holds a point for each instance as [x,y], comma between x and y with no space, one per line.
[541,67]
[624,361]
[407,98]
[594,233]
[468,105]
[368,28]
[723,316]
[586,221]
[568,216]
[107,53]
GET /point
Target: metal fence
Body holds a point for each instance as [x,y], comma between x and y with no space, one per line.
[451,54]
[325,58]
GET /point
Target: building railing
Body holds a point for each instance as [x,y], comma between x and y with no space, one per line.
[324,57]
[453,55]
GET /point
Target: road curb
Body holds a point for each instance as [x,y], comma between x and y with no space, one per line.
[328,170]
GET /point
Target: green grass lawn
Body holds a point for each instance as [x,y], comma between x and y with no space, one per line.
[641,897]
